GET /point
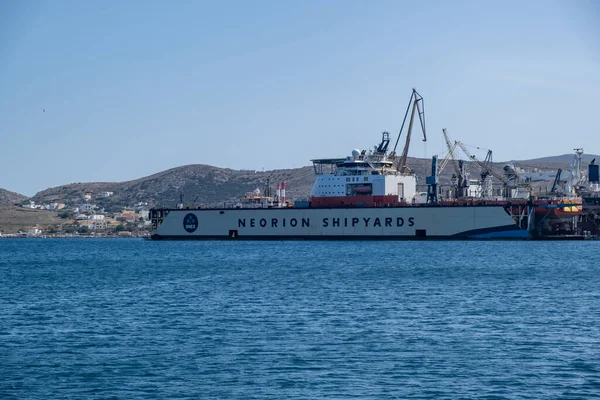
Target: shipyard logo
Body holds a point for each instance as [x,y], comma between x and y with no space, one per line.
[190,223]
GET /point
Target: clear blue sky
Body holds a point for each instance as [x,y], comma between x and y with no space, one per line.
[131,88]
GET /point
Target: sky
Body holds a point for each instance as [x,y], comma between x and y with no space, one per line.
[114,91]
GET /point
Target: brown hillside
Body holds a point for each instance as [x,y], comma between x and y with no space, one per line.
[10,198]
[215,186]
[14,219]
[212,185]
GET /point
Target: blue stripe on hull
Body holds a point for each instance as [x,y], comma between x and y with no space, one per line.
[520,234]
[498,232]
[319,238]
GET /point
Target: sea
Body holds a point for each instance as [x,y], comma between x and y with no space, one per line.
[137,319]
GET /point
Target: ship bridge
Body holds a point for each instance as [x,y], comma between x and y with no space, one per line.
[327,165]
[362,178]
[363,164]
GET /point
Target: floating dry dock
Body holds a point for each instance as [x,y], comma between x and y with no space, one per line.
[372,194]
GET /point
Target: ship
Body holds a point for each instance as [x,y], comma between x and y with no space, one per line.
[369,194]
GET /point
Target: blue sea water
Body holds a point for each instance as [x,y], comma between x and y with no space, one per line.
[135,319]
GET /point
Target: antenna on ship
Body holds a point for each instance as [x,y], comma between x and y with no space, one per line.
[417,103]
[385,141]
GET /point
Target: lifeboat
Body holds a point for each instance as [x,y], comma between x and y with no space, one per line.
[363,189]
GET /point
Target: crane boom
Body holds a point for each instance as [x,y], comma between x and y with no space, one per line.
[485,166]
[446,160]
[451,149]
[556,181]
[416,101]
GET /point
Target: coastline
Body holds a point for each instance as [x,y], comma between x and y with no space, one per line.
[72,236]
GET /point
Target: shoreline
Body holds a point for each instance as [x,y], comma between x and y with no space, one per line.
[68,236]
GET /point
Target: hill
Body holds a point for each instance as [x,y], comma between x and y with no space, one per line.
[10,198]
[212,186]
[562,159]
[215,186]
[14,219]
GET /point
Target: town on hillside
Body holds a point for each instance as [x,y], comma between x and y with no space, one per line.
[82,217]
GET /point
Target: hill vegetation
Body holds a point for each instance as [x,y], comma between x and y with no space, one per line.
[210,185]
[562,159]
[14,219]
[11,198]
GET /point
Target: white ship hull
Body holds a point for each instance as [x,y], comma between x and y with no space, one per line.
[410,222]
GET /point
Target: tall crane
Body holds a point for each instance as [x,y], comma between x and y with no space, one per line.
[486,165]
[460,174]
[451,149]
[555,185]
[446,160]
[575,176]
[432,182]
[416,101]
[462,180]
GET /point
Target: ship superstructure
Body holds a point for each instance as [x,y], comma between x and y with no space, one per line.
[362,179]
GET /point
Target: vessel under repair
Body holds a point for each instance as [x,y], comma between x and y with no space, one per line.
[366,195]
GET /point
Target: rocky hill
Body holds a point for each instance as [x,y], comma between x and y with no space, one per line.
[10,198]
[14,219]
[211,185]
[214,186]
[562,159]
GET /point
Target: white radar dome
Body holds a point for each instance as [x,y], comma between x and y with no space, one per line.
[355,153]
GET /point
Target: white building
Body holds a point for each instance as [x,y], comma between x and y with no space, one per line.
[30,204]
[105,194]
[99,224]
[32,232]
[86,207]
[55,206]
[96,217]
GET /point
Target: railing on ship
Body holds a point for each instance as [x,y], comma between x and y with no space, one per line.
[160,213]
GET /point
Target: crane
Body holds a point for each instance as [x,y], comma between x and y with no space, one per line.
[451,149]
[432,182]
[462,184]
[555,185]
[449,156]
[575,176]
[486,165]
[416,101]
